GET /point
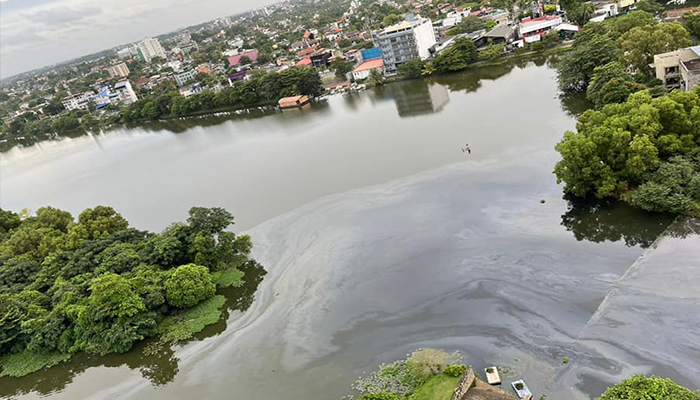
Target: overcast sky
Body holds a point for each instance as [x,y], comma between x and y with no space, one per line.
[36,33]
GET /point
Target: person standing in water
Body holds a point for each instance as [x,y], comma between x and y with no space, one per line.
[467,149]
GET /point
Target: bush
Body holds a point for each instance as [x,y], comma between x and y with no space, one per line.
[455,370]
[189,285]
[642,387]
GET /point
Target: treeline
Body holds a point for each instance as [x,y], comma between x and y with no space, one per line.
[262,87]
[610,60]
[641,145]
[99,286]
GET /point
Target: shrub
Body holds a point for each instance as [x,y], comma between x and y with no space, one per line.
[642,387]
[188,285]
[519,386]
[456,370]
[380,396]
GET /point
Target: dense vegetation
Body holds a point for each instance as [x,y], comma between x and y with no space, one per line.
[604,53]
[640,387]
[641,145]
[645,151]
[403,378]
[98,286]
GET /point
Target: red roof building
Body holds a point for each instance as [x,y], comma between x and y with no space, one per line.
[305,61]
[305,52]
[235,60]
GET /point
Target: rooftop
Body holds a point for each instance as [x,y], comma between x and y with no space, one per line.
[371,64]
[500,31]
[398,27]
[692,66]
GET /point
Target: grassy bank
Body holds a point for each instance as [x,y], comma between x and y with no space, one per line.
[438,387]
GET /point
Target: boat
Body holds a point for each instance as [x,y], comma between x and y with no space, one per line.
[492,376]
[293,102]
[521,389]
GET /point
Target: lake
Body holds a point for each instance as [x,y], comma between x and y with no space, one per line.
[379,236]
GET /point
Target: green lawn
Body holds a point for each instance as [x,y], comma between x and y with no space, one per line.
[439,387]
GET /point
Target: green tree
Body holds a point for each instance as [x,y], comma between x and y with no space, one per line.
[492,52]
[412,68]
[649,6]
[188,285]
[691,21]
[341,67]
[470,24]
[592,48]
[611,83]
[641,387]
[640,44]
[101,220]
[582,13]
[488,25]
[456,57]
[376,77]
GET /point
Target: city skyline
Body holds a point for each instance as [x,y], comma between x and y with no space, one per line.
[39,33]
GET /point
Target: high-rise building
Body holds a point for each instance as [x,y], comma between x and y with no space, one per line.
[150,48]
[120,70]
[407,40]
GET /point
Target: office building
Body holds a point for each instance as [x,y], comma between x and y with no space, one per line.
[126,92]
[185,76]
[120,70]
[407,40]
[150,48]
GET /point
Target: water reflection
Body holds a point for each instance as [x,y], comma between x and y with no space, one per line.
[158,364]
[417,97]
[600,221]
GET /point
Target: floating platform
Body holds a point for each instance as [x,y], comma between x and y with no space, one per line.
[521,389]
[492,376]
[293,102]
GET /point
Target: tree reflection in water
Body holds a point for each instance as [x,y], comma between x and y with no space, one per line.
[600,221]
[159,365]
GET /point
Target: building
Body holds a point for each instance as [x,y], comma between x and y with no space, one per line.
[150,48]
[532,29]
[405,41]
[126,92]
[363,70]
[236,59]
[185,76]
[502,34]
[680,69]
[124,53]
[120,70]
[78,101]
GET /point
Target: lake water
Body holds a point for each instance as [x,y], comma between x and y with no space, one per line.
[379,236]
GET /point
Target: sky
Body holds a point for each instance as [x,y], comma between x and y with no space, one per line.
[36,33]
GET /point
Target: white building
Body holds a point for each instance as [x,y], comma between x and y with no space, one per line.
[405,41]
[150,48]
[680,69]
[120,70]
[126,92]
[531,30]
[124,53]
[185,76]
[78,101]
[363,70]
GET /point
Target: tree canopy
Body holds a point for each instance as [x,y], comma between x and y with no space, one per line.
[94,284]
[640,387]
[624,151]
[456,57]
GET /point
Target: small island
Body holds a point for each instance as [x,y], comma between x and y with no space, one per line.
[96,285]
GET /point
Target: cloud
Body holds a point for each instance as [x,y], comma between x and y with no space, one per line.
[40,32]
[61,16]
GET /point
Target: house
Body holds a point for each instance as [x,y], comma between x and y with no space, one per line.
[304,61]
[677,15]
[532,29]
[501,34]
[680,69]
[236,59]
[363,70]
[185,76]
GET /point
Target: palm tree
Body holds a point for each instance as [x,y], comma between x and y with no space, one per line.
[376,77]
